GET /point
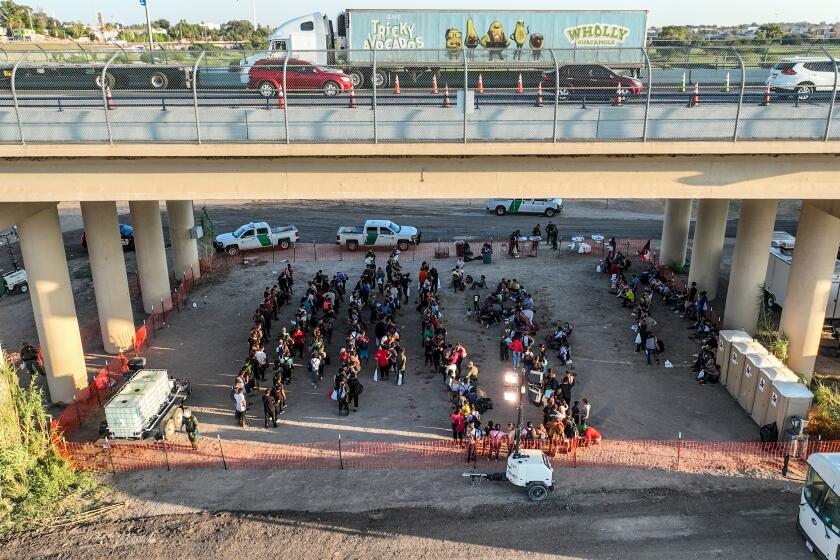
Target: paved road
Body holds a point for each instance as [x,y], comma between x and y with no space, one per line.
[318,221]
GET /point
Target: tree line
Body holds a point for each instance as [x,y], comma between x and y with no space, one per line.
[15,17]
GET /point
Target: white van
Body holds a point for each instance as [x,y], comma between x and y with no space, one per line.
[546,206]
[819,506]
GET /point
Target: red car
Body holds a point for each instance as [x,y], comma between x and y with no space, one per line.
[593,79]
[267,75]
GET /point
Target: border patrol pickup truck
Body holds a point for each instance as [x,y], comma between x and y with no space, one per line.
[547,206]
[256,235]
[378,233]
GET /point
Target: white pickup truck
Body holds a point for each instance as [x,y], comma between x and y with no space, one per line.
[378,233]
[256,235]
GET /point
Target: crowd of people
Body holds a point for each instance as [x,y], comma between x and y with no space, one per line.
[638,292]
[564,420]
[372,307]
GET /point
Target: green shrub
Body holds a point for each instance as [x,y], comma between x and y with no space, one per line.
[35,480]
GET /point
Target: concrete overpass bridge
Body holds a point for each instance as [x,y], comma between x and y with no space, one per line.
[34,178]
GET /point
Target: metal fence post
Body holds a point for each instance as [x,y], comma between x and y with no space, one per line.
[195,95]
[222,451]
[105,86]
[165,455]
[373,99]
[649,93]
[466,89]
[740,95]
[833,95]
[556,94]
[15,98]
[285,98]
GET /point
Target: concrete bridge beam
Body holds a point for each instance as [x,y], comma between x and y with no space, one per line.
[151,253]
[110,282]
[809,286]
[42,247]
[707,249]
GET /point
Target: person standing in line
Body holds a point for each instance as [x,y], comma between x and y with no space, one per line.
[240,406]
[354,390]
[402,362]
[342,394]
[650,347]
[278,393]
[268,408]
[516,348]
[504,342]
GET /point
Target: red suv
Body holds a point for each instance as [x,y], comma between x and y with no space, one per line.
[267,74]
[591,78]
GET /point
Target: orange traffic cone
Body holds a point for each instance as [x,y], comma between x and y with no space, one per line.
[767,96]
[396,85]
[695,99]
[352,98]
[480,84]
[446,103]
[519,88]
[434,85]
[281,99]
[539,95]
[618,99]
[108,97]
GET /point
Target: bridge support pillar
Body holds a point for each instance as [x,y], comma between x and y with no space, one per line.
[749,264]
[675,230]
[151,252]
[42,247]
[707,249]
[110,282]
[809,286]
[184,247]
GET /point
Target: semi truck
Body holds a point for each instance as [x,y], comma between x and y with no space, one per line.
[417,44]
[778,270]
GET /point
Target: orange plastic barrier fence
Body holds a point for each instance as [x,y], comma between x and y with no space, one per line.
[677,455]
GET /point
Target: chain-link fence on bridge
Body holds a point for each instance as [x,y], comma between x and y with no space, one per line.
[459,95]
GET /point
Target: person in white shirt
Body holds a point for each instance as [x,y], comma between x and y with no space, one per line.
[587,408]
[241,406]
[262,363]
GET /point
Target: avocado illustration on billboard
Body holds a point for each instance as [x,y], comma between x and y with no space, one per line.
[499,34]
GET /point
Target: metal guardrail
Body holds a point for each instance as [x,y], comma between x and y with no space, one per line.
[459,96]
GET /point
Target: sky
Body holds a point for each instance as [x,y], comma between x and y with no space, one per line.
[273,13]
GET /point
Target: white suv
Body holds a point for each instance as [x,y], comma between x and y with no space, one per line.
[803,76]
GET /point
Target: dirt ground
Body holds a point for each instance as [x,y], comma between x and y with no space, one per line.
[630,400]
[595,513]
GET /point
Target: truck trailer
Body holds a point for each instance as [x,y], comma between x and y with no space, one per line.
[500,44]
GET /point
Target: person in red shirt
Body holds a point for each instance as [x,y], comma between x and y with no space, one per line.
[382,361]
[516,347]
[590,435]
[299,341]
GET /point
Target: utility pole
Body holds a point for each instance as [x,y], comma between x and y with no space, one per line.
[145,4]
[254,10]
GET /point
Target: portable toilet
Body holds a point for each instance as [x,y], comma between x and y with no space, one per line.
[725,340]
[766,377]
[737,356]
[749,377]
[788,399]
